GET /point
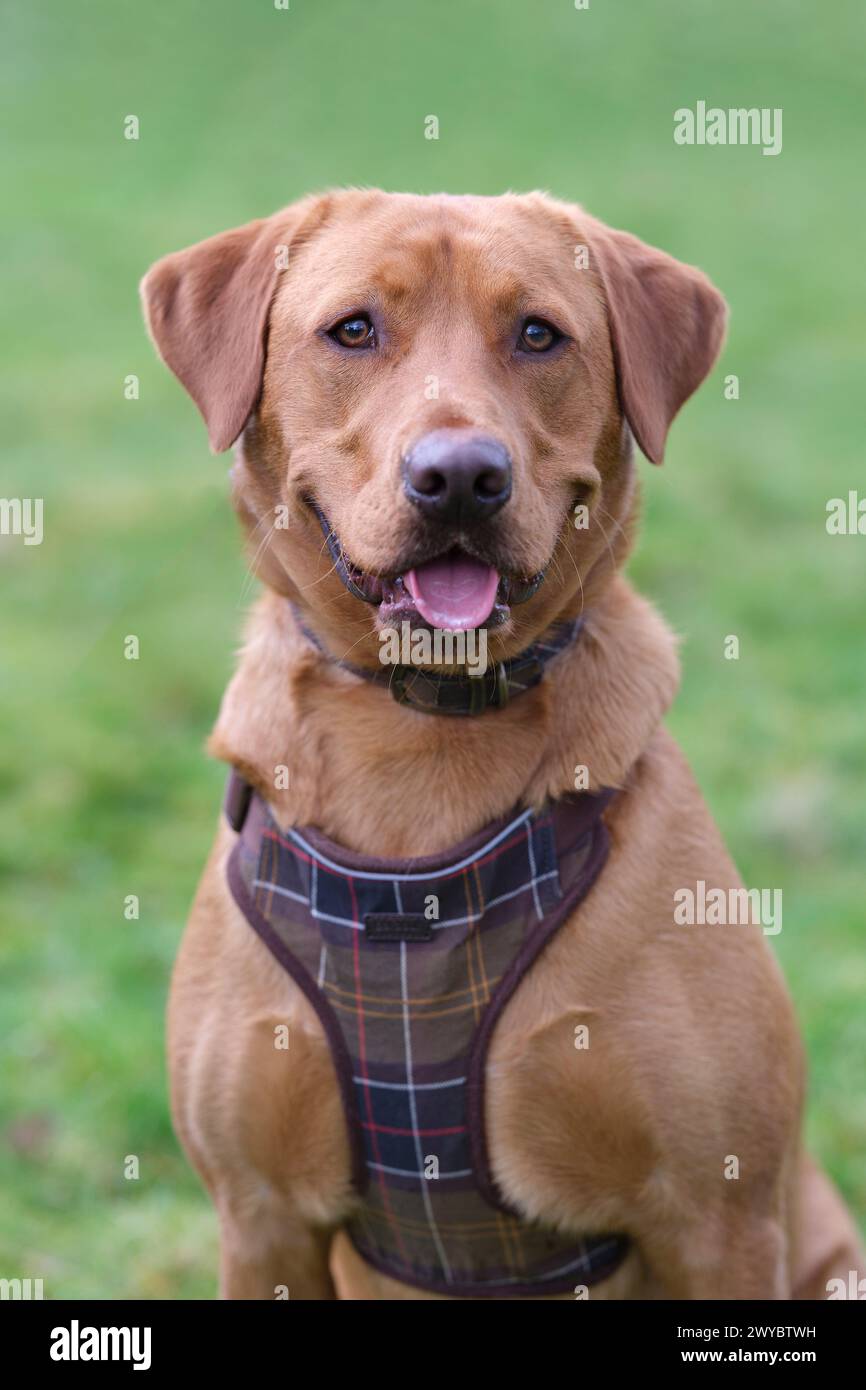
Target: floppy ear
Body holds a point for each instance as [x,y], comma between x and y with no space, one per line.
[207,311]
[667,325]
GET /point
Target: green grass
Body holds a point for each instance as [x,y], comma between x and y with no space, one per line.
[105,788]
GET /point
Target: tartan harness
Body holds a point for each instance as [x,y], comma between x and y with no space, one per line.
[408,964]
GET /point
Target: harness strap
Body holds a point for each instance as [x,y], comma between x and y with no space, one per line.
[236,802]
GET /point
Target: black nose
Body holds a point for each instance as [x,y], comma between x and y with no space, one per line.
[457,476]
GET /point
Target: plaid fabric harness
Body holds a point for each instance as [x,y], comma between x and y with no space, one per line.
[408,965]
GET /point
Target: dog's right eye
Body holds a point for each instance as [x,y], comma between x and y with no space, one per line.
[354,332]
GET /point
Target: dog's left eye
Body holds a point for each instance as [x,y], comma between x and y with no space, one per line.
[538,336]
[354,332]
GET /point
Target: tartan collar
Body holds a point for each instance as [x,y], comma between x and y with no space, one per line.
[462,695]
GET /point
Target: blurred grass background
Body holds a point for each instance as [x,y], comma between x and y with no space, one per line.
[105,788]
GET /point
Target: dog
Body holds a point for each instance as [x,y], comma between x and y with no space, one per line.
[434,402]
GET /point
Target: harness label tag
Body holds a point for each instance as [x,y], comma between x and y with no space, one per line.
[397,926]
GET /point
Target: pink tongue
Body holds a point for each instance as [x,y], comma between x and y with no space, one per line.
[454,592]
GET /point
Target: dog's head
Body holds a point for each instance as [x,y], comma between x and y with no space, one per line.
[434,399]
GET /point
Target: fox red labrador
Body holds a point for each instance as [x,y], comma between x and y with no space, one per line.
[441,1025]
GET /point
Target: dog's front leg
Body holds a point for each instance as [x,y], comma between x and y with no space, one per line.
[268,1252]
[718,1256]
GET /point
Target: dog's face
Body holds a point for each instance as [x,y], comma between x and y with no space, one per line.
[437,397]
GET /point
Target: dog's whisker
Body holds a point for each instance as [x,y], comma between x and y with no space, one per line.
[620,526]
[580,582]
[251,575]
[606,540]
[304,588]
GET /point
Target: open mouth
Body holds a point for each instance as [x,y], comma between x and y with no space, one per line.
[453,590]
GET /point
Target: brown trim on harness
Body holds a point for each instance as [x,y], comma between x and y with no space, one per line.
[571,827]
[324,1012]
[532,949]
[241,798]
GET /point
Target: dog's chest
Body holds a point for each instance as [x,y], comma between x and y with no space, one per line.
[409,965]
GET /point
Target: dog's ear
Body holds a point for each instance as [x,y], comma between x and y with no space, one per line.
[207,311]
[667,325]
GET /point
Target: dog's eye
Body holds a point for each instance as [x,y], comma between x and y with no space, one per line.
[538,336]
[354,332]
